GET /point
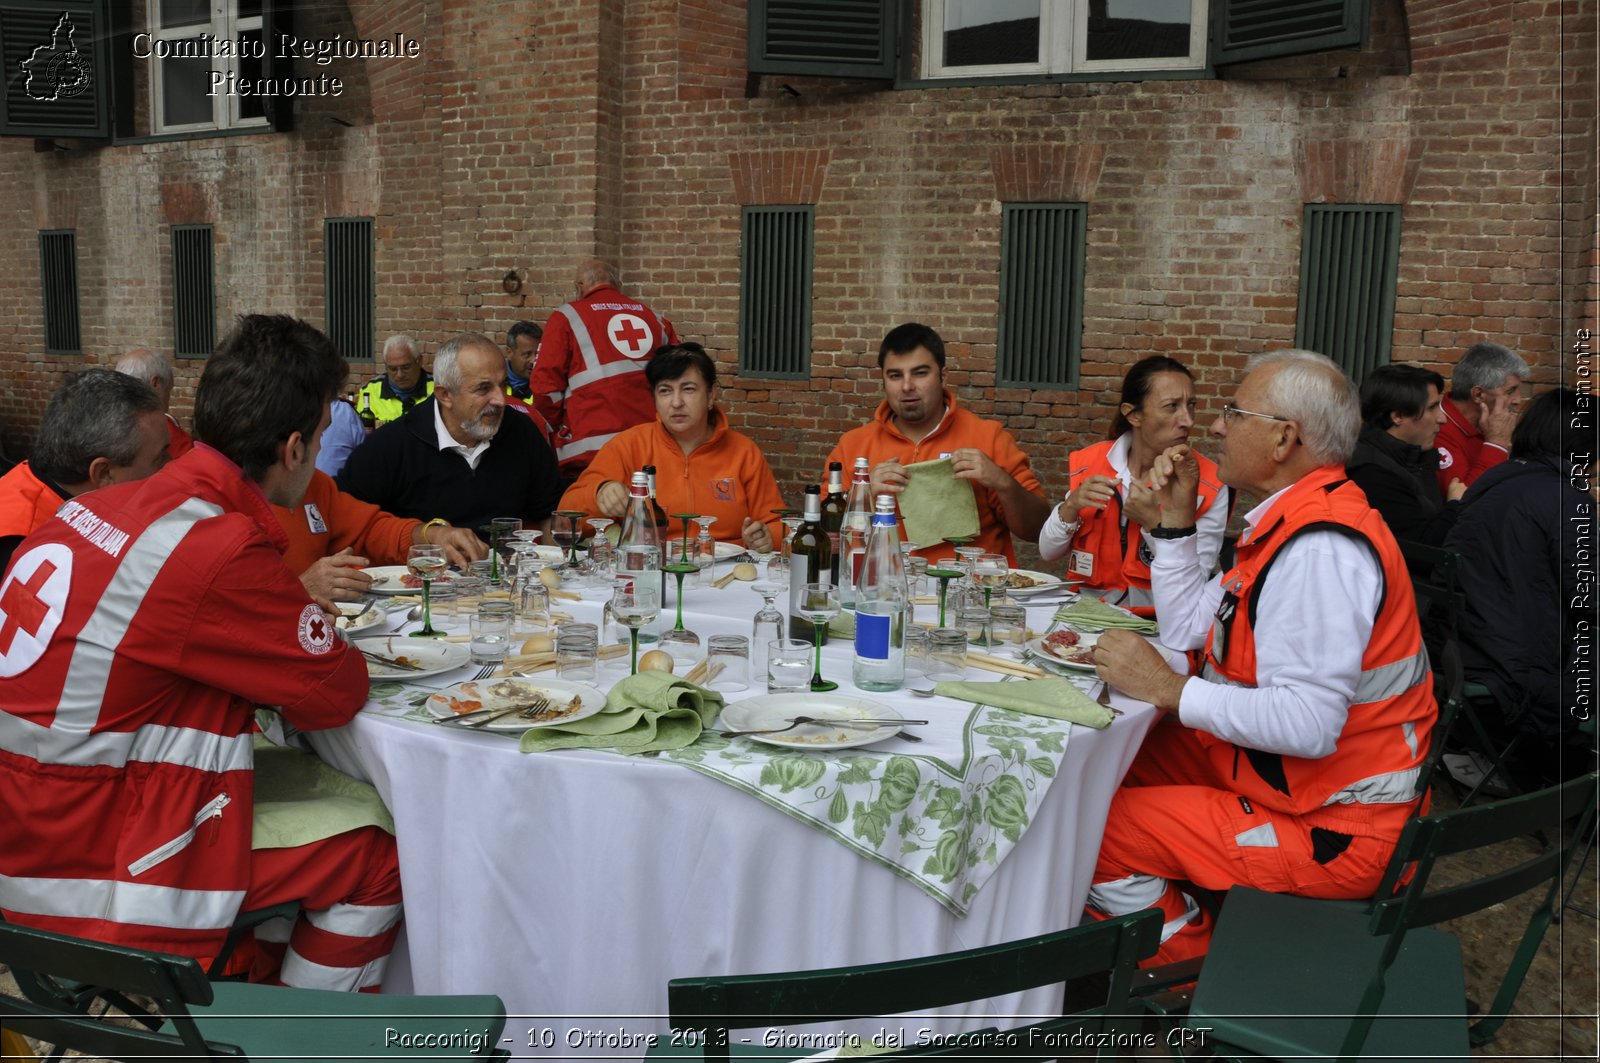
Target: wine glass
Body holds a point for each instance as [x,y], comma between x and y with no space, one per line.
[768,624]
[601,552]
[635,604]
[565,531]
[426,562]
[683,644]
[819,603]
[792,519]
[705,548]
[989,571]
[501,529]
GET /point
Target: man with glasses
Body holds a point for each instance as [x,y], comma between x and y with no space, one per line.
[1289,763]
[404,382]
[1480,412]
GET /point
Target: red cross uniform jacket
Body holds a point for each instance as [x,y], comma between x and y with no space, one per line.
[1386,733]
[588,381]
[139,627]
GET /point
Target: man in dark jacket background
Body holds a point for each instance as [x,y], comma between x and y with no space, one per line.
[1395,463]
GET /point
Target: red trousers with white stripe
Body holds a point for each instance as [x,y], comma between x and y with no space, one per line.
[1174,818]
[348,887]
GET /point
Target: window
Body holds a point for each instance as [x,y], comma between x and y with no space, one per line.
[978,38]
[348,285]
[58,278]
[1040,331]
[775,249]
[1349,257]
[194,303]
[188,81]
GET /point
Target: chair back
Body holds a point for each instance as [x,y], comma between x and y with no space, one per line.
[1448,682]
[48,966]
[713,1006]
[1464,830]
[1436,582]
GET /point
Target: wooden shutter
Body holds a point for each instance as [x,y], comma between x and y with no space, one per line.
[58,281]
[194,298]
[1349,259]
[349,285]
[1266,29]
[1040,331]
[57,64]
[775,254]
[828,38]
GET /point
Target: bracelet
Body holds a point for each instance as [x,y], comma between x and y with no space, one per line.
[436,521]
[1172,533]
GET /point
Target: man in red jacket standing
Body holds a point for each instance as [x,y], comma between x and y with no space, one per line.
[588,380]
[139,629]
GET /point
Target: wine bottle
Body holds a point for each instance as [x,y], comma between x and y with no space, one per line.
[657,513]
[368,420]
[833,507]
[810,555]
[881,599]
[853,532]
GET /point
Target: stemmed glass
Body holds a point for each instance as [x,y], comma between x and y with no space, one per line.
[944,574]
[705,548]
[792,519]
[500,530]
[769,620]
[426,562]
[600,548]
[683,644]
[566,534]
[989,571]
[634,605]
[819,603]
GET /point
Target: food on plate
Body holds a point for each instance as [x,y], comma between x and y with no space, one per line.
[1069,646]
[538,644]
[1019,580]
[656,661]
[550,578]
[415,582]
[462,706]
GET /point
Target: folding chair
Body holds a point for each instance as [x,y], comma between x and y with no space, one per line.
[1291,976]
[226,1021]
[704,1010]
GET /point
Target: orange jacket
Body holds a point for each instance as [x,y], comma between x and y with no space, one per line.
[328,520]
[881,439]
[26,501]
[1385,737]
[726,477]
[1116,552]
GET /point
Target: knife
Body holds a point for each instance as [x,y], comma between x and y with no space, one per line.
[377,658]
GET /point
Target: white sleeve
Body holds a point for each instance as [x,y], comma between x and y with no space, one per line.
[1185,596]
[1315,615]
[1210,527]
[1056,535]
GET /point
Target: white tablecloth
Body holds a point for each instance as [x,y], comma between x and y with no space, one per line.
[576,884]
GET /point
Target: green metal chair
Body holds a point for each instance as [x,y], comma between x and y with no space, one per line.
[1291,977]
[200,1020]
[704,1010]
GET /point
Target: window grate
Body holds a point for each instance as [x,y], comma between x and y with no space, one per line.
[775,256]
[349,285]
[1040,331]
[58,278]
[828,38]
[1349,258]
[194,295]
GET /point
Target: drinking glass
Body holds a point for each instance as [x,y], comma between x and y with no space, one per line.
[491,631]
[778,567]
[974,621]
[947,654]
[728,662]
[566,529]
[1008,627]
[705,549]
[460,605]
[501,530]
[426,563]
[768,623]
[684,555]
[916,643]
[990,571]
[577,654]
[819,603]
[944,574]
[533,597]
[634,606]
[601,551]
[788,661]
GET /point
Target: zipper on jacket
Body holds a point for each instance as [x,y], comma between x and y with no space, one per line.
[211,811]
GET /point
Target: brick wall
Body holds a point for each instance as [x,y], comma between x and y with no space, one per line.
[529,135]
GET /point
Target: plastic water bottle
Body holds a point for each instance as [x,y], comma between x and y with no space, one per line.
[881,600]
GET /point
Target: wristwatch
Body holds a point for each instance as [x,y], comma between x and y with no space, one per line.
[1172,533]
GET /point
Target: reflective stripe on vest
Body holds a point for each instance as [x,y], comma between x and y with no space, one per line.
[127,903]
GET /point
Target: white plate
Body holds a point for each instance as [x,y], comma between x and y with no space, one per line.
[1042,583]
[776,710]
[550,553]
[483,691]
[360,617]
[1085,641]
[435,657]
[387,579]
[722,550]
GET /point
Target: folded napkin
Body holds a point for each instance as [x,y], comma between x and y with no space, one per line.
[1051,696]
[645,712]
[843,626]
[1092,612]
[936,506]
[300,800]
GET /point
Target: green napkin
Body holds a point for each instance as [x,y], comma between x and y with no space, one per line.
[300,800]
[1051,696]
[645,712]
[843,626]
[1092,612]
[935,505]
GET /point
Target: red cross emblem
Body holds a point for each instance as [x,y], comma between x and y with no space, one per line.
[315,635]
[22,607]
[629,335]
[32,603]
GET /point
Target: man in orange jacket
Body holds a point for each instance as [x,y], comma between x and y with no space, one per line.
[100,428]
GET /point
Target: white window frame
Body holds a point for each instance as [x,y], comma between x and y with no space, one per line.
[225,24]
[1063,43]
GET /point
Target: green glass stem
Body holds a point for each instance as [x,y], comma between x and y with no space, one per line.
[818,683]
[944,590]
[633,639]
[427,614]
[679,625]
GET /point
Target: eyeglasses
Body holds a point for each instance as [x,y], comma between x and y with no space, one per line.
[1231,413]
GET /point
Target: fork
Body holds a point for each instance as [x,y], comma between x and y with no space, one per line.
[539,704]
[485,672]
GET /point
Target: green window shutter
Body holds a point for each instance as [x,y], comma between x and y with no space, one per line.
[58,279]
[1040,332]
[1264,29]
[194,299]
[775,253]
[349,285]
[277,20]
[57,63]
[1349,257]
[825,38]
